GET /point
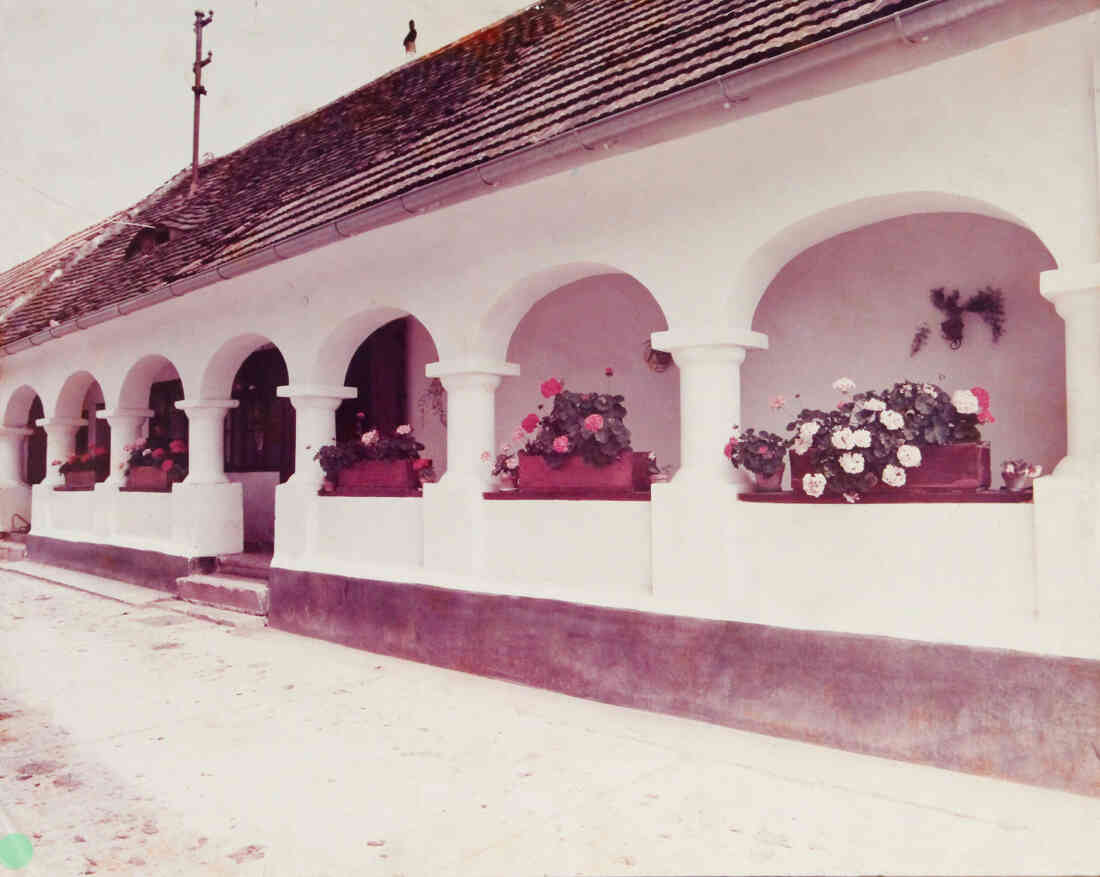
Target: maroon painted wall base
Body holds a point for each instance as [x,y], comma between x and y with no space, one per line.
[1022,717]
[149,568]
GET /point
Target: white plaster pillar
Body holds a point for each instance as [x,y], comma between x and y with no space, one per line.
[15,493]
[454,531]
[60,444]
[126,425]
[11,455]
[314,425]
[205,439]
[692,557]
[1067,502]
[207,508]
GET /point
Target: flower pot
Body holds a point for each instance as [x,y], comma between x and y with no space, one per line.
[768,483]
[377,477]
[628,473]
[1017,482]
[81,480]
[147,478]
[963,466]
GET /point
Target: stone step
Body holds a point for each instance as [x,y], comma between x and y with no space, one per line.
[238,593]
[10,550]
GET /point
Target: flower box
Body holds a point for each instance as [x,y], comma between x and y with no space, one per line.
[83,479]
[147,478]
[963,466]
[629,472]
[377,478]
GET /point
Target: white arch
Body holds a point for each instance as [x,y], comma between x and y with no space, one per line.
[134,392]
[18,406]
[221,367]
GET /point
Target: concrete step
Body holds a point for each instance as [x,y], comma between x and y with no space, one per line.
[238,593]
[249,564]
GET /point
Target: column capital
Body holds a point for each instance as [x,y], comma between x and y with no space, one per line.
[320,391]
[15,431]
[198,405]
[1060,283]
[124,412]
[719,337]
[465,365]
[49,423]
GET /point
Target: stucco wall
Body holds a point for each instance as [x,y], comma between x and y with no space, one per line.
[426,422]
[848,307]
[578,331]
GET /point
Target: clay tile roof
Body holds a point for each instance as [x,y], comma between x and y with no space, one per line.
[546,70]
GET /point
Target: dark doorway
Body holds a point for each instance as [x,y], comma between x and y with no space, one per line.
[378,369]
[36,445]
[259,433]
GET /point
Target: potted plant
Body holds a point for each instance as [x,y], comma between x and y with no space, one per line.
[375,464]
[910,435]
[762,453]
[155,464]
[505,467]
[82,471]
[582,444]
[1019,474]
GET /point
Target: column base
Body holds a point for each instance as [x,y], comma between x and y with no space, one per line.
[454,532]
[208,519]
[15,499]
[1067,549]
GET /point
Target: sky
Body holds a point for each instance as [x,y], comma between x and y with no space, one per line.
[96,103]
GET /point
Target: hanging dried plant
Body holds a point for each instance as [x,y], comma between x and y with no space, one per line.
[987,303]
[919,339]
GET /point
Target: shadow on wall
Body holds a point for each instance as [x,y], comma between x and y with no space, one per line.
[849,307]
[578,331]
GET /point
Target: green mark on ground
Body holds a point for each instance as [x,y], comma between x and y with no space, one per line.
[15,851]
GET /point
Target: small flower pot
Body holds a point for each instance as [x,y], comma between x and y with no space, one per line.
[1017,482]
[768,483]
[147,478]
[377,478]
[82,480]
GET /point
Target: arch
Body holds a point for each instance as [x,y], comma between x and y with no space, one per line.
[767,259]
[134,392]
[19,405]
[70,398]
[509,309]
[217,376]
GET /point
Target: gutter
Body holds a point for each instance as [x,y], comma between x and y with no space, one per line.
[908,27]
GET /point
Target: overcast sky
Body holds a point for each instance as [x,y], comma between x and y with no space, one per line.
[95,100]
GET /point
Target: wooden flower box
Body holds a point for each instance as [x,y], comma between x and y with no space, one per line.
[147,478]
[82,480]
[943,467]
[628,473]
[378,478]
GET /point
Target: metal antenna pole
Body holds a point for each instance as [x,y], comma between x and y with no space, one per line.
[201,21]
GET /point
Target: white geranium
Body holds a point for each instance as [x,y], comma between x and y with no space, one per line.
[873,405]
[842,439]
[844,385]
[909,456]
[928,389]
[851,497]
[404,429]
[813,485]
[852,463]
[512,462]
[965,402]
[1035,471]
[893,475]
[862,438]
[369,438]
[801,445]
[809,429]
[892,419]
[1008,469]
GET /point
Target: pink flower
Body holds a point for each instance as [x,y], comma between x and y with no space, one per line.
[327,486]
[561,444]
[486,456]
[369,438]
[593,422]
[518,435]
[166,466]
[530,422]
[730,445]
[404,429]
[158,453]
[359,415]
[551,387]
[609,371]
[778,402]
[982,394]
[421,463]
[178,446]
[985,417]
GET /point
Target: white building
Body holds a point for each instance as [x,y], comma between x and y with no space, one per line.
[768,191]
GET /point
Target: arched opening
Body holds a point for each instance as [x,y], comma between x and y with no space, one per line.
[852,305]
[154,384]
[34,460]
[81,396]
[578,331]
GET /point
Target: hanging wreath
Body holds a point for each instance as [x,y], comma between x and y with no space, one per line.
[987,303]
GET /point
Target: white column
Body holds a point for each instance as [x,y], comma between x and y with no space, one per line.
[693,558]
[314,426]
[60,444]
[205,439]
[126,425]
[11,455]
[1067,503]
[454,532]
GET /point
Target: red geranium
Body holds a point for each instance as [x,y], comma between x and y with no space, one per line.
[421,463]
[177,446]
[561,444]
[609,371]
[166,466]
[552,387]
[530,423]
[593,422]
[84,458]
[158,453]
